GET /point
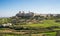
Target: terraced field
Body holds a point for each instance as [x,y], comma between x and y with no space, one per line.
[45,24]
[41,34]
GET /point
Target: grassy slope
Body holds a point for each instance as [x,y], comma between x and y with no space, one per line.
[46,23]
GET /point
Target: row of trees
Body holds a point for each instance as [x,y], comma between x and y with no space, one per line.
[5,20]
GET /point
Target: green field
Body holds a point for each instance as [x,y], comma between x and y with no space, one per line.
[45,24]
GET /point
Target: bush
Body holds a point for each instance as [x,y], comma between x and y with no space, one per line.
[1,26]
[57,20]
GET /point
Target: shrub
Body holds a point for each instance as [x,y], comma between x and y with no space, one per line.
[57,20]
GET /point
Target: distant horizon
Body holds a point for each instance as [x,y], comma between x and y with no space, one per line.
[28,12]
[9,8]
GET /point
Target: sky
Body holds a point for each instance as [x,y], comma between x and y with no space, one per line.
[10,8]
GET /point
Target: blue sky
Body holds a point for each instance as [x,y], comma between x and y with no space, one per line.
[11,7]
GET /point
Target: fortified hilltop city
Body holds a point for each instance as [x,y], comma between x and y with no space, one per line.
[30,23]
[29,17]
